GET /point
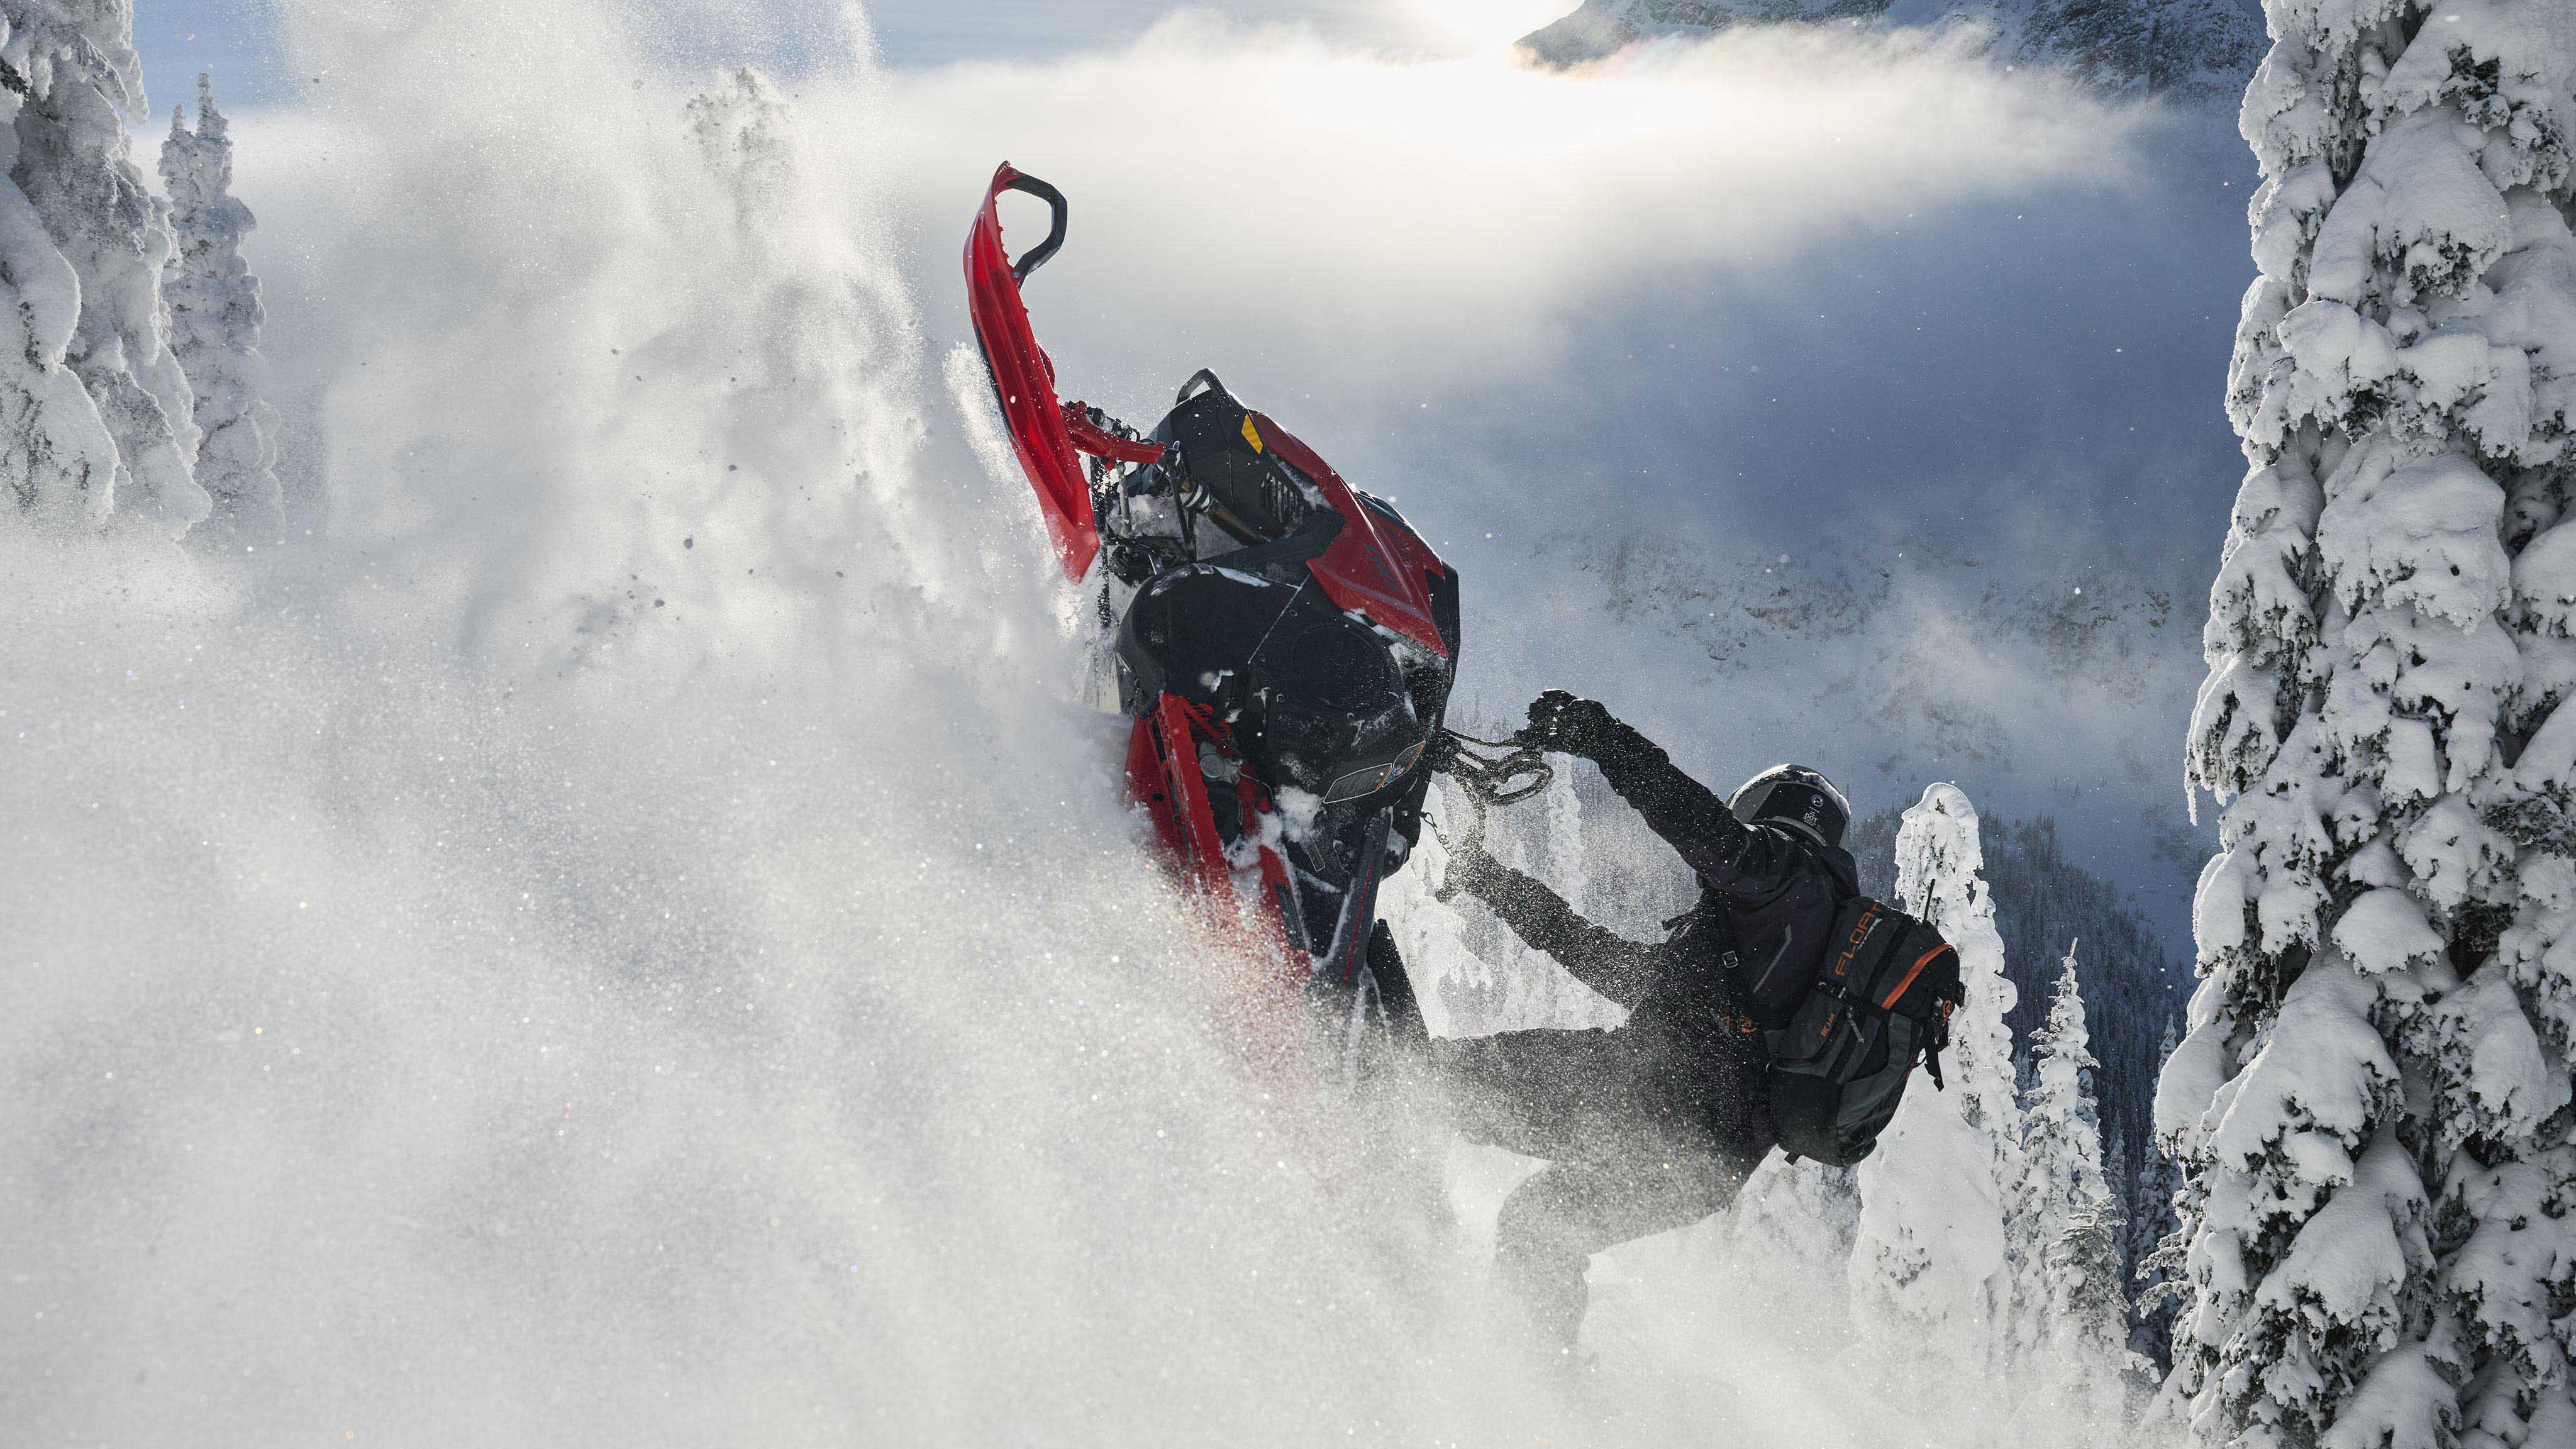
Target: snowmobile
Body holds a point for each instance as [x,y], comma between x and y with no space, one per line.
[1283,644]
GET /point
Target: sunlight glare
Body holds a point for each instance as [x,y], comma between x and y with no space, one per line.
[1489,24]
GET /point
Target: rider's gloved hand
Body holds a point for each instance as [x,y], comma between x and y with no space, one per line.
[1130,564]
[1559,721]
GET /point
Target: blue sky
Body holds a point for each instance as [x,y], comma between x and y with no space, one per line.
[235,39]
[229,40]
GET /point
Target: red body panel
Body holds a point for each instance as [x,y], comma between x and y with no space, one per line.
[1374,568]
[1101,443]
[1024,379]
[1204,854]
[1163,769]
[1163,773]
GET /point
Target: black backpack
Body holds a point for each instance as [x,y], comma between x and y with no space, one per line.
[1879,1001]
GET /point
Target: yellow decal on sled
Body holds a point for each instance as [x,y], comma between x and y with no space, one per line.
[1251,434]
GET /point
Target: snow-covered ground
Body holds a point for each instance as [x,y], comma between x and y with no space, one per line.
[619,937]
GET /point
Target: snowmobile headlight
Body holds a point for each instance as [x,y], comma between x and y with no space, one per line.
[1374,778]
[1355,784]
[1403,763]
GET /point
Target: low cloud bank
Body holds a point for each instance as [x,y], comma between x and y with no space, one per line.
[1452,214]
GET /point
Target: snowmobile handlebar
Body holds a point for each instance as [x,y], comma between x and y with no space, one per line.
[1518,769]
[1038,256]
[1190,388]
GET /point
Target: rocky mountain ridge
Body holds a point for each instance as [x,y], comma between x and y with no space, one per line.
[2181,47]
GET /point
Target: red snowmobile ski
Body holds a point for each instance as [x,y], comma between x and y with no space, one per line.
[1284,643]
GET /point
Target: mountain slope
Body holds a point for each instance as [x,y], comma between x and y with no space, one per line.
[2187,46]
[2044,684]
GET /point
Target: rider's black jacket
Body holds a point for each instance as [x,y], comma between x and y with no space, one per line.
[1767,897]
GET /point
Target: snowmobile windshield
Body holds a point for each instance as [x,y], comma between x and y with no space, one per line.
[1248,489]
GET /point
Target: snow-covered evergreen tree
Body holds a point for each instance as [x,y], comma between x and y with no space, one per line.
[1796,1219]
[1933,1244]
[2122,1183]
[1565,860]
[83,244]
[2083,1318]
[215,319]
[2373,1097]
[1587,845]
[2151,1232]
[2086,1341]
[2042,900]
[2062,1128]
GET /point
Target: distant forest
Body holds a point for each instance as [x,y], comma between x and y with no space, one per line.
[2134,992]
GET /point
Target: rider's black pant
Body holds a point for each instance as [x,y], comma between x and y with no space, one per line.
[1636,1144]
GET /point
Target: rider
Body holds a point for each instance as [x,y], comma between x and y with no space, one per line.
[1655,1123]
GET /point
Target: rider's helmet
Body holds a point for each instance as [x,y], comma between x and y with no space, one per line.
[1797,798]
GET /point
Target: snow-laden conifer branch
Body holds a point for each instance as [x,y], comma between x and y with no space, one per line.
[94,411]
[2374,1096]
[2082,1318]
[1945,1193]
[215,319]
